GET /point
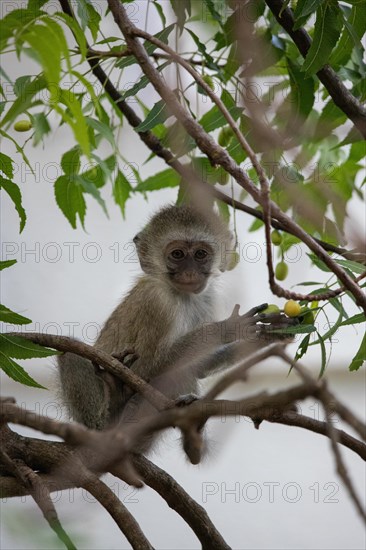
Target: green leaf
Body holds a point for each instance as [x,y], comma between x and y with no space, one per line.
[94,20]
[40,38]
[92,189]
[149,47]
[158,114]
[319,263]
[77,121]
[298,329]
[323,355]
[328,26]
[103,129]
[25,99]
[14,193]
[209,60]
[121,191]
[59,36]
[166,178]
[355,28]
[41,127]
[139,85]
[180,8]
[223,210]
[7,263]
[304,8]
[69,197]
[16,372]
[337,304]
[22,348]
[360,356]
[355,267]
[354,320]
[6,165]
[13,23]
[328,335]
[89,17]
[303,347]
[8,316]
[70,161]
[214,118]
[302,91]
[213,11]
[77,32]
[257,224]
[160,11]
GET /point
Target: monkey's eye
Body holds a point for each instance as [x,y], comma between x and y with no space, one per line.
[200,254]
[177,254]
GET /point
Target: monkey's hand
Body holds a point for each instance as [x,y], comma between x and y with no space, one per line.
[127,356]
[186,399]
[255,325]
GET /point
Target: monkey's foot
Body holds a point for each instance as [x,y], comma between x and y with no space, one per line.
[184,400]
[127,356]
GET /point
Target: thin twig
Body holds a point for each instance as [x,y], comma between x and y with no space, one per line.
[341,468]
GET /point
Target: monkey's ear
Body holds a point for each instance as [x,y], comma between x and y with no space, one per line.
[136,238]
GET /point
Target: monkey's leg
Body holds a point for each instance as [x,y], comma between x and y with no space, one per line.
[84,392]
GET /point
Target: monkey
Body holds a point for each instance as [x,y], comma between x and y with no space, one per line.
[166,328]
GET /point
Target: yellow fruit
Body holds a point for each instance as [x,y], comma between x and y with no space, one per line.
[272,308]
[276,237]
[225,136]
[281,271]
[233,262]
[292,308]
[22,126]
[209,81]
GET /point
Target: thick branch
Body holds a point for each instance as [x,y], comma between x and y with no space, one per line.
[180,501]
[123,518]
[342,97]
[66,344]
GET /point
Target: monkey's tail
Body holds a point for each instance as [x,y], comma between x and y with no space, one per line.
[82,391]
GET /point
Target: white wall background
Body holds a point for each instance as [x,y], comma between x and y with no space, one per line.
[284,489]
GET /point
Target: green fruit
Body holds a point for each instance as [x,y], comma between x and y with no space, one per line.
[292,308]
[22,126]
[223,177]
[209,81]
[276,238]
[225,136]
[272,308]
[281,271]
[233,262]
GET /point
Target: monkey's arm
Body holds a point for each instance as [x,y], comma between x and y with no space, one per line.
[219,345]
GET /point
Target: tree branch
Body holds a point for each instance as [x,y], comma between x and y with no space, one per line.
[40,493]
[342,97]
[154,144]
[217,154]
[180,501]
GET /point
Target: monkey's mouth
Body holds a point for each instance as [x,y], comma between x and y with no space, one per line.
[194,286]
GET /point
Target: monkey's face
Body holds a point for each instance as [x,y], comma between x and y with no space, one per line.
[189,265]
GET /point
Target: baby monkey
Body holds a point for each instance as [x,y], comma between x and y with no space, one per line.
[168,320]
